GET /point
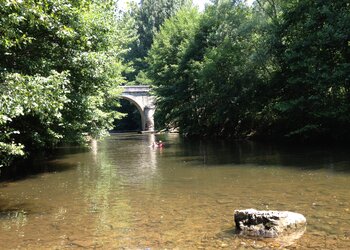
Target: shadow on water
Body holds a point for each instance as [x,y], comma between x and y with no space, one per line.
[24,171]
[214,153]
[39,164]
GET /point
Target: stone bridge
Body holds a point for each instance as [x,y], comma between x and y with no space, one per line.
[140,96]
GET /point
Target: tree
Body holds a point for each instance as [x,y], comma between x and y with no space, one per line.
[310,93]
[279,69]
[230,72]
[170,72]
[61,66]
[204,71]
[148,16]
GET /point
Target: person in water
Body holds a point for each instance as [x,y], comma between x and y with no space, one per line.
[158,144]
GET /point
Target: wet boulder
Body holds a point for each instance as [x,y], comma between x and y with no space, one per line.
[270,224]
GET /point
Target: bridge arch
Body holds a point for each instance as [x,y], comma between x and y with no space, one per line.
[145,103]
[138,107]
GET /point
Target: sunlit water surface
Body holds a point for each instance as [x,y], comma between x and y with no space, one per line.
[122,194]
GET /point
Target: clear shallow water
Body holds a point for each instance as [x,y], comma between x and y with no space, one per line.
[122,194]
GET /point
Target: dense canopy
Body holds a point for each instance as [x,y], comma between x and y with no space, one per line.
[61,63]
[278,69]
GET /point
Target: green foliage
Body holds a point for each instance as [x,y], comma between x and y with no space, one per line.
[310,96]
[24,97]
[277,69]
[170,72]
[62,62]
[148,17]
[230,72]
[204,70]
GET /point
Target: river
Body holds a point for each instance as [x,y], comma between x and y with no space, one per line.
[122,194]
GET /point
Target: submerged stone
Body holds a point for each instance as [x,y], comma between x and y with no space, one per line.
[270,224]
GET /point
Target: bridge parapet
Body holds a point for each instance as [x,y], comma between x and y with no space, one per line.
[138,88]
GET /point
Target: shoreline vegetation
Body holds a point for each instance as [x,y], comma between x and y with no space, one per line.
[276,70]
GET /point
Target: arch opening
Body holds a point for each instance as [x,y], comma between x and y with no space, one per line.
[133,120]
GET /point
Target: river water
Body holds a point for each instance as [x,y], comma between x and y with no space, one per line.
[122,194]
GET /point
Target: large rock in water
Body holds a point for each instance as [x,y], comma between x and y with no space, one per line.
[269,224]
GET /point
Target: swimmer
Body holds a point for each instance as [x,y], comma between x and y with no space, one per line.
[158,144]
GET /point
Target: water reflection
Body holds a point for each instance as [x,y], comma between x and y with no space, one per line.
[214,153]
[105,188]
[94,149]
[134,162]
